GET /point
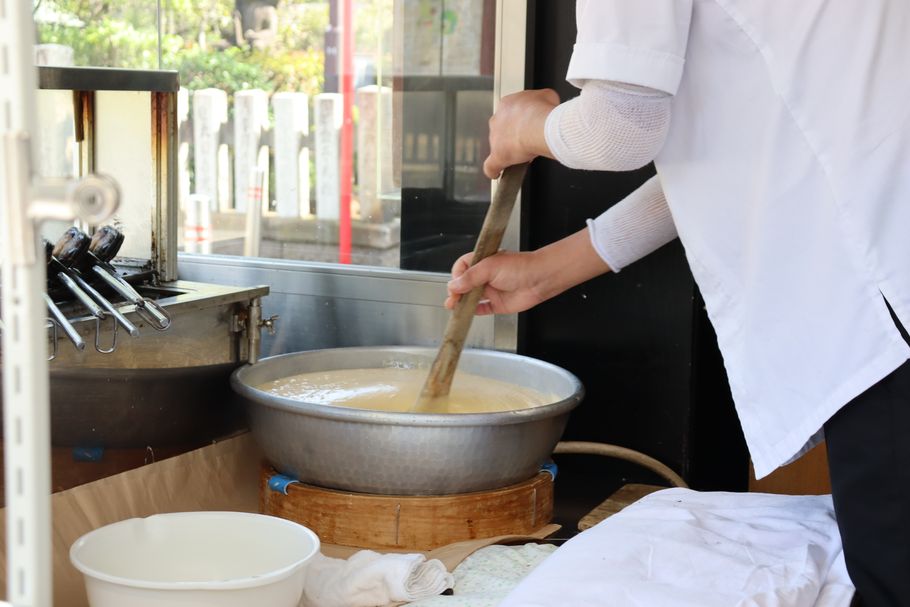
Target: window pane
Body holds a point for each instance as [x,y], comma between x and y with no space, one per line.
[281,155]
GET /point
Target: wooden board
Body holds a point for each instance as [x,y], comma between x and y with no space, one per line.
[411,522]
[626,495]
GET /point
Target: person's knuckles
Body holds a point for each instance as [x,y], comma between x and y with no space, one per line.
[459,268]
[462,284]
[550,95]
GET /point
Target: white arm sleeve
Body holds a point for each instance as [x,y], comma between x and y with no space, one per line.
[635,226]
[609,127]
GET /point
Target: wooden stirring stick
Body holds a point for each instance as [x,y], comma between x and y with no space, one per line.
[439,382]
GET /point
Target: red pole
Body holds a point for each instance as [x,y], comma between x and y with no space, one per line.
[347,132]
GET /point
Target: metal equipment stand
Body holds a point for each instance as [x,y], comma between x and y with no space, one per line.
[24,204]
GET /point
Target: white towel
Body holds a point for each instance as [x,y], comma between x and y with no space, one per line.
[680,548]
[370,579]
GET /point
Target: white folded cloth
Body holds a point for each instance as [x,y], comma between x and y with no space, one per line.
[370,579]
[681,548]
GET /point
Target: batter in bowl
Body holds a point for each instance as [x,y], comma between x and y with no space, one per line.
[397,389]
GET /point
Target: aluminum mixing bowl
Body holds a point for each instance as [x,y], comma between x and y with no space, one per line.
[405,453]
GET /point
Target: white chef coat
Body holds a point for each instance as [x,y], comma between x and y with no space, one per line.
[787,172]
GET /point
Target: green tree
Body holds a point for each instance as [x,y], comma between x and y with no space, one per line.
[197,43]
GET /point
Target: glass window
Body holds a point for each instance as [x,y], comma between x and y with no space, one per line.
[58,150]
[299,142]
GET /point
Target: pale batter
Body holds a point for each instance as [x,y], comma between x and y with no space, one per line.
[396,389]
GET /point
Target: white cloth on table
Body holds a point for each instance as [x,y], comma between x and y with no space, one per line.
[370,579]
[681,548]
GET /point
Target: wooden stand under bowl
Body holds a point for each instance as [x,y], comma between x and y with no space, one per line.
[402,522]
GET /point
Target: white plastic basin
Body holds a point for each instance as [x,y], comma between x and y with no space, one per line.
[195,559]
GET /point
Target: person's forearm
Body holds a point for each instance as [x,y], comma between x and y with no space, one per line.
[567,263]
[634,227]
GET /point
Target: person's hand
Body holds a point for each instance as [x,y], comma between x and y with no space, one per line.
[515,282]
[512,282]
[517,129]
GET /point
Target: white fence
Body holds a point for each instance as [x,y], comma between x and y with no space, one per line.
[228,153]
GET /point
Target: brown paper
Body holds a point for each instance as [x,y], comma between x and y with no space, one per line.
[222,476]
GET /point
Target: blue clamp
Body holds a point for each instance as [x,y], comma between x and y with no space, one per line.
[280,482]
[88,454]
[551,468]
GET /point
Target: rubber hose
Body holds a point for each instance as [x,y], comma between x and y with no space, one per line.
[615,451]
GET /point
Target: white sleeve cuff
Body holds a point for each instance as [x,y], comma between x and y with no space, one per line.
[641,42]
[634,227]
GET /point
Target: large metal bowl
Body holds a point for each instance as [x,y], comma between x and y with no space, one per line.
[405,453]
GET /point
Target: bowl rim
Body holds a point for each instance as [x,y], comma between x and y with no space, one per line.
[252,581]
[369,416]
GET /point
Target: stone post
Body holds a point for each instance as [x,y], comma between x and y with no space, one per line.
[251,118]
[292,160]
[328,113]
[210,112]
[374,150]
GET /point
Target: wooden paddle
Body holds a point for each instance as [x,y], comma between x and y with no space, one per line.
[439,382]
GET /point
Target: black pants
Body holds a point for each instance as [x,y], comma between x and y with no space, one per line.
[869,460]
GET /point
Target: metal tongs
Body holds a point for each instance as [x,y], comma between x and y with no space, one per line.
[71,246]
[104,247]
[58,319]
